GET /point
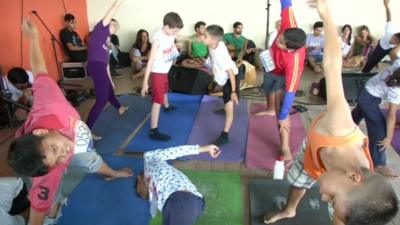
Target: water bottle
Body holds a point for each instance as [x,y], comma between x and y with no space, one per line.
[279,169]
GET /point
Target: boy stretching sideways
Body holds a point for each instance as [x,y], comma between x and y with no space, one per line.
[52,138]
[336,154]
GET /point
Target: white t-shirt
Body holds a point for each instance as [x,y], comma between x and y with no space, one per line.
[344,46]
[15,92]
[220,61]
[166,52]
[377,87]
[390,30]
[272,38]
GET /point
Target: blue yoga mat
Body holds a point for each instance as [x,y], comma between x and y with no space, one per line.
[115,129]
[177,124]
[209,125]
[100,202]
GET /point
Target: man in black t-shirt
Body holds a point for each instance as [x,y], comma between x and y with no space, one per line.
[73,45]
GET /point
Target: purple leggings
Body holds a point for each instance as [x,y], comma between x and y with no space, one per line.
[103,88]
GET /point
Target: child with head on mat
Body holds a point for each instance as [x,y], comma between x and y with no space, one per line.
[162,54]
[280,85]
[225,71]
[336,154]
[52,138]
[97,66]
[168,189]
[383,86]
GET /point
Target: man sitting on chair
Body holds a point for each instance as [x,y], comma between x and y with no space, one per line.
[73,45]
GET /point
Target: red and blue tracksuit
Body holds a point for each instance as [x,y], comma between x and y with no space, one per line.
[288,63]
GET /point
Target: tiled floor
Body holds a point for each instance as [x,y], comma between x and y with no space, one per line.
[126,85]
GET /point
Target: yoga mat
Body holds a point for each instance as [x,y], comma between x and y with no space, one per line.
[268,195]
[396,135]
[263,143]
[208,126]
[223,196]
[115,129]
[177,124]
[100,202]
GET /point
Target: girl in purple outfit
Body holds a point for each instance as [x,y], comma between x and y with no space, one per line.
[97,66]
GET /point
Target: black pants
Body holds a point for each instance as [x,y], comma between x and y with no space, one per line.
[78,56]
[375,57]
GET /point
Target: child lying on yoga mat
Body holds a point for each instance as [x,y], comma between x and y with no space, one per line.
[336,154]
[52,138]
[168,189]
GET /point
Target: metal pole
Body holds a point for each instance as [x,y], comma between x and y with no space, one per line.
[267,30]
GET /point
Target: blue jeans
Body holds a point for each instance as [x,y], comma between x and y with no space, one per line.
[182,208]
[368,109]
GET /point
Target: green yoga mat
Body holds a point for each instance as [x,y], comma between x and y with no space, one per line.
[223,196]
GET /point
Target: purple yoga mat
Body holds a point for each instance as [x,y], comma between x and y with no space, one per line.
[263,143]
[208,126]
[396,134]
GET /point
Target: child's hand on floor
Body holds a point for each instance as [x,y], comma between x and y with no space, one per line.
[213,150]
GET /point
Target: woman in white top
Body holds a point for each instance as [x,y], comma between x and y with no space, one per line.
[345,39]
[384,86]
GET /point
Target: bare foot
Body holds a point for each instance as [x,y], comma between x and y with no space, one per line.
[125,172]
[275,216]
[397,125]
[122,110]
[385,171]
[95,137]
[268,112]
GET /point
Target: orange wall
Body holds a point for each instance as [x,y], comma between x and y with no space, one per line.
[52,13]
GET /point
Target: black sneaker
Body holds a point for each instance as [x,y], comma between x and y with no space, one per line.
[170,108]
[219,111]
[157,136]
[222,139]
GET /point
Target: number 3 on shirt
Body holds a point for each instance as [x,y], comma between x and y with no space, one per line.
[44,193]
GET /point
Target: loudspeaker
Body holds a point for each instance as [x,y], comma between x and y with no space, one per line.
[352,83]
[73,70]
[189,80]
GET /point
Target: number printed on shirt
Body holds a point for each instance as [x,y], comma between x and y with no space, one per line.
[44,193]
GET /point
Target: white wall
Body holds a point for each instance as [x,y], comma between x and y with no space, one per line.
[148,14]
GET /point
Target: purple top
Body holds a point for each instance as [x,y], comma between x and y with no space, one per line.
[97,48]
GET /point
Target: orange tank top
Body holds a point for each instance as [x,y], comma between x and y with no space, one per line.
[316,141]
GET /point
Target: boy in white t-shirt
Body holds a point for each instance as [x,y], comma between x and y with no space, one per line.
[163,53]
[18,85]
[384,86]
[225,71]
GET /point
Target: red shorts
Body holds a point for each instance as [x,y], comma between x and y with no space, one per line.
[159,82]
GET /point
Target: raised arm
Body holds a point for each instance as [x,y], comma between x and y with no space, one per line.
[287,17]
[111,12]
[338,120]
[387,10]
[37,61]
